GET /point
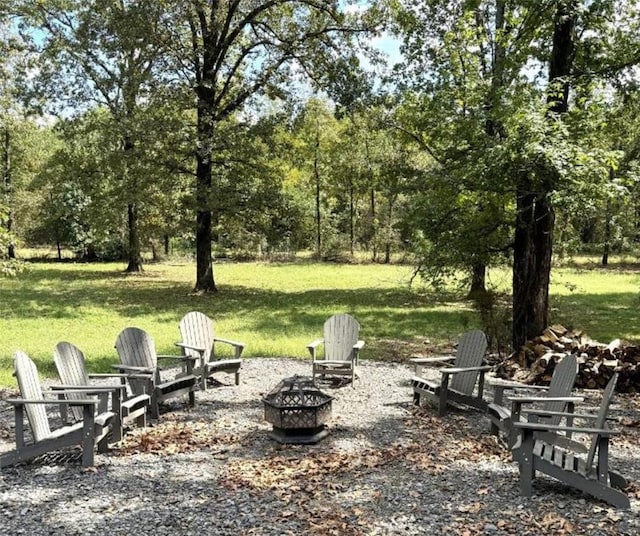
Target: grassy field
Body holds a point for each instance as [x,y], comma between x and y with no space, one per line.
[275,308]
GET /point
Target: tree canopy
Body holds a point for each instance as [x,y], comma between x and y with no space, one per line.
[505,134]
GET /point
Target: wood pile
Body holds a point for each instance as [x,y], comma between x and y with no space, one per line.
[536,360]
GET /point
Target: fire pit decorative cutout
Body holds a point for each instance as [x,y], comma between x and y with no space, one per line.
[298,411]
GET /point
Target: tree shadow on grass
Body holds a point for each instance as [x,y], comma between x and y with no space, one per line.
[52,295]
[603,317]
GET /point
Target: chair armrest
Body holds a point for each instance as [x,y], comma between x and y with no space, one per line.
[89,389]
[549,413]
[457,370]
[359,345]
[238,346]
[229,341]
[191,347]
[312,346]
[143,370]
[537,427]
[51,401]
[525,399]
[315,344]
[506,384]
[105,375]
[178,357]
[428,360]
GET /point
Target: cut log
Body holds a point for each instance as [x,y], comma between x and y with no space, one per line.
[536,360]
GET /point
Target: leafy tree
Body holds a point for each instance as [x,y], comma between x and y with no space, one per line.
[487,97]
[232,53]
[105,53]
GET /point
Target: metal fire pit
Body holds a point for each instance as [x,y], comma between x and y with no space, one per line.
[298,411]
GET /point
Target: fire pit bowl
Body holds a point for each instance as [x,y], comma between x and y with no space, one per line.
[298,411]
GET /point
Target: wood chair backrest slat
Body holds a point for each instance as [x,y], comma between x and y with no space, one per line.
[27,375]
[197,330]
[136,348]
[470,353]
[561,385]
[341,332]
[71,366]
[601,418]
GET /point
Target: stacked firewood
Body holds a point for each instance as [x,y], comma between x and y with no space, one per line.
[536,360]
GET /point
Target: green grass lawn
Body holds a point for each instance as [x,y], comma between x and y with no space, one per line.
[275,308]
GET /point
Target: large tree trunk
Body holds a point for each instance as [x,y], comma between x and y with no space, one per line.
[204,263]
[478,279]
[535,216]
[531,262]
[606,246]
[352,216]
[135,256]
[134,250]
[493,129]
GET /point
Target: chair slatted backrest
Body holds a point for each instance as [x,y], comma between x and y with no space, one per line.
[71,366]
[136,348]
[196,329]
[561,385]
[601,418]
[27,375]
[341,332]
[470,353]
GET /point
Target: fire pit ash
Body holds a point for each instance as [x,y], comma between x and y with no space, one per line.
[298,411]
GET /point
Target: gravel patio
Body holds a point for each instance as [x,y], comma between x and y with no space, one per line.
[386,468]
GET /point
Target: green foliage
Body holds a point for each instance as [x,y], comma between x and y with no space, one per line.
[473,100]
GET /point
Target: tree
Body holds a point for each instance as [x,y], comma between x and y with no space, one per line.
[105,53]
[459,90]
[477,104]
[316,131]
[233,52]
[574,64]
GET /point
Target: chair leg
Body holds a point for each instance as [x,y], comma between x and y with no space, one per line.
[154,407]
[141,421]
[442,401]
[526,464]
[237,377]
[192,398]
[88,436]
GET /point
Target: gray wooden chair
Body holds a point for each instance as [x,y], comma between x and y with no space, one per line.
[94,428]
[458,383]
[72,371]
[554,398]
[341,348]
[581,467]
[199,342]
[139,359]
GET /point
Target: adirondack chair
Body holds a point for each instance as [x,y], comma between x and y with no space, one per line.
[137,353]
[573,463]
[341,348]
[199,341]
[94,428]
[72,371]
[554,398]
[457,383]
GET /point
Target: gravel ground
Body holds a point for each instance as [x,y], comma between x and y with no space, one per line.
[386,468]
